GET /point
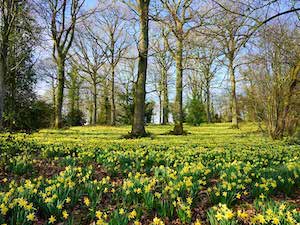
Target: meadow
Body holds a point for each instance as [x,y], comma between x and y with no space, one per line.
[91,175]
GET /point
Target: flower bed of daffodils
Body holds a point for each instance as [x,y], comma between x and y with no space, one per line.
[241,179]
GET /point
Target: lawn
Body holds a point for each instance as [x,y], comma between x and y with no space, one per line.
[91,175]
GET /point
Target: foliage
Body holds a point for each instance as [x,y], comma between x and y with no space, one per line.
[75,118]
[149,108]
[21,77]
[195,111]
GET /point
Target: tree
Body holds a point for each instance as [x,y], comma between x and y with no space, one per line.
[114,39]
[141,7]
[273,80]
[195,111]
[207,55]
[126,93]
[89,58]
[164,61]
[8,13]
[236,25]
[19,37]
[232,32]
[75,115]
[46,70]
[179,17]
[63,16]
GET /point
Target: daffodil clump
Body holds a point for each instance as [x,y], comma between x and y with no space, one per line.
[89,175]
[264,212]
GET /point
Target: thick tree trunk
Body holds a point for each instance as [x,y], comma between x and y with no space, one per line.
[60,91]
[178,110]
[165,103]
[233,95]
[138,126]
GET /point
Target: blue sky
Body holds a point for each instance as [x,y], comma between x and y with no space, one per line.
[91,3]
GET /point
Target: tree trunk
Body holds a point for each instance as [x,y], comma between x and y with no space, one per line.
[233,95]
[53,100]
[138,126]
[3,72]
[178,111]
[160,107]
[112,104]
[165,103]
[94,104]
[208,113]
[60,91]
[91,107]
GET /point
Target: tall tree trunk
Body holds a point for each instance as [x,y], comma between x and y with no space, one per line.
[112,104]
[78,98]
[94,104]
[208,113]
[53,99]
[160,107]
[138,126]
[233,95]
[91,107]
[165,103]
[60,91]
[3,74]
[178,110]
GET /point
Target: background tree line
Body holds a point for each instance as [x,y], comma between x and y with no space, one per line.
[75,62]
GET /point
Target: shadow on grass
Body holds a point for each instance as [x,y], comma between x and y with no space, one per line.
[132,136]
[171,132]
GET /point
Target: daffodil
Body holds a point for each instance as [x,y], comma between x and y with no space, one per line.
[86,201]
[122,211]
[52,219]
[132,214]
[275,221]
[30,217]
[219,216]
[197,222]
[157,221]
[65,214]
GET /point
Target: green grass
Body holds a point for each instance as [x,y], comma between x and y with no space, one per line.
[206,134]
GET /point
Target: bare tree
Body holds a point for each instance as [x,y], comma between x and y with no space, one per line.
[179,17]
[207,55]
[237,22]
[163,61]
[62,15]
[114,39]
[89,58]
[273,78]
